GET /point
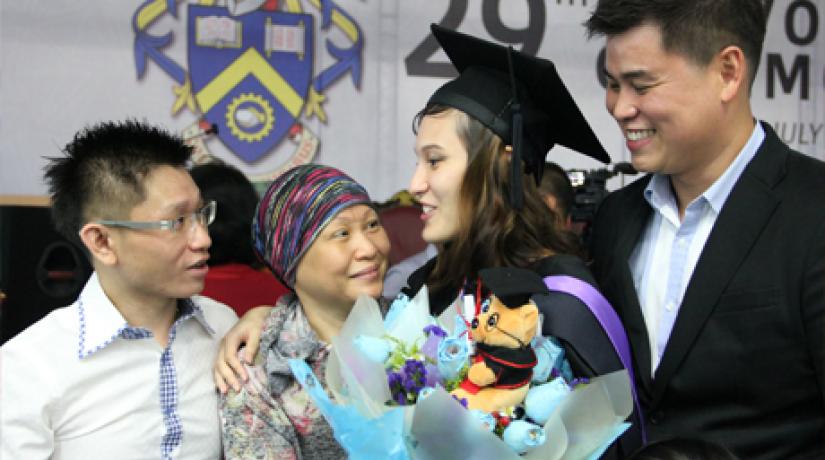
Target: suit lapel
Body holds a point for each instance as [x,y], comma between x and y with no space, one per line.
[636,214]
[744,215]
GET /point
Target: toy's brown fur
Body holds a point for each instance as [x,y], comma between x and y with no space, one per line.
[520,322]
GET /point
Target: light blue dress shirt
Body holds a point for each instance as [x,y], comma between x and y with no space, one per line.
[663,260]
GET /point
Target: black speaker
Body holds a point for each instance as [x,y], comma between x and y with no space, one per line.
[39,269]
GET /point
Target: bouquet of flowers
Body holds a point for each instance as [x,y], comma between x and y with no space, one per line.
[391,380]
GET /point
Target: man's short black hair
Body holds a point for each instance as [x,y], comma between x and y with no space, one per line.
[697,29]
[236,197]
[101,173]
[556,183]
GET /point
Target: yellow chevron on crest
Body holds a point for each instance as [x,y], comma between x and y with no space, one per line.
[250,63]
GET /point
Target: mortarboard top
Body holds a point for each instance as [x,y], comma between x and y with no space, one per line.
[484,91]
[513,286]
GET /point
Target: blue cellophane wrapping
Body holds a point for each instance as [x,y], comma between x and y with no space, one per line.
[583,425]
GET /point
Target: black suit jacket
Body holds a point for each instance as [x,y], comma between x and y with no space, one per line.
[745,362]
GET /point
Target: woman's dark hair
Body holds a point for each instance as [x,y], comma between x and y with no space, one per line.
[683,449]
[491,232]
[236,198]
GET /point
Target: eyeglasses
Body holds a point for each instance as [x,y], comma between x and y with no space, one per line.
[203,216]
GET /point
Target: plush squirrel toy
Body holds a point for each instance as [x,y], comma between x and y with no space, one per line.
[504,361]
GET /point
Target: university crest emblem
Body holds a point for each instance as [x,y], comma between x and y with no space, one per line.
[250,75]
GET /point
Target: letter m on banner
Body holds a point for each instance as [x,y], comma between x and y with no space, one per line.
[250,73]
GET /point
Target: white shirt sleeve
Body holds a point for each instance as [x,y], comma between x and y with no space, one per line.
[25,431]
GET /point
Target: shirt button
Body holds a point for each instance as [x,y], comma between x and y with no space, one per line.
[657,417]
[669,306]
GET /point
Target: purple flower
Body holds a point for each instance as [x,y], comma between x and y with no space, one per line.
[406,383]
[430,347]
[401,398]
[433,376]
[412,366]
[414,375]
[434,329]
[579,381]
[394,379]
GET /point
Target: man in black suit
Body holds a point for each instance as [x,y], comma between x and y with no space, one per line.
[716,260]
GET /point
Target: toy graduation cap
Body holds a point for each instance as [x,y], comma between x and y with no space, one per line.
[512,286]
[519,97]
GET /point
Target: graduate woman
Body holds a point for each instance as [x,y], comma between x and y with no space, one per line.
[481,143]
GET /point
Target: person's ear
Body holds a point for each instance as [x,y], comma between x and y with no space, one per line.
[733,70]
[98,241]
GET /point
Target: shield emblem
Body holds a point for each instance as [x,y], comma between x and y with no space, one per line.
[250,74]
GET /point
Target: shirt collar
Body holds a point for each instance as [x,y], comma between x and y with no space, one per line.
[659,193]
[101,322]
[718,193]
[189,309]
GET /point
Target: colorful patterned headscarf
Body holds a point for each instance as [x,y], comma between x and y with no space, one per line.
[295,209]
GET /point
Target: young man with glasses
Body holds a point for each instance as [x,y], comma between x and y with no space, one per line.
[124,372]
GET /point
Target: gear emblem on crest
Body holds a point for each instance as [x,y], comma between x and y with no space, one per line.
[250,117]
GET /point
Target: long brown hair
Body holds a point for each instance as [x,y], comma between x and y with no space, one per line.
[491,232]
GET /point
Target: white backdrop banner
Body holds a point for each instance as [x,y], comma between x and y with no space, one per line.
[332,81]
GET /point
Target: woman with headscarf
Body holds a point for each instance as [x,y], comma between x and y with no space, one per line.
[317,231]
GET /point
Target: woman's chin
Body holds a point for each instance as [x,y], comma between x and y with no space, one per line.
[370,291]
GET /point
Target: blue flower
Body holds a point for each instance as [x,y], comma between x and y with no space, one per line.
[522,436]
[487,421]
[542,400]
[398,305]
[376,349]
[452,356]
[426,391]
[549,358]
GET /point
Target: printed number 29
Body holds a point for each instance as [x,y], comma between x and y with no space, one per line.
[418,63]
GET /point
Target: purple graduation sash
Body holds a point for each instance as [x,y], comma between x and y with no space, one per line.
[607,318]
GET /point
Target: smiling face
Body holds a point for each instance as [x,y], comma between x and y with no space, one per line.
[667,106]
[347,259]
[158,265]
[441,163]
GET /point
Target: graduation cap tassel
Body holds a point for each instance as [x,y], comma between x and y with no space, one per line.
[516,194]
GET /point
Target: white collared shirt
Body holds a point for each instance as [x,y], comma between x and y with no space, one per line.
[667,252]
[82,384]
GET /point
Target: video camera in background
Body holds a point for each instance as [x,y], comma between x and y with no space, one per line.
[589,189]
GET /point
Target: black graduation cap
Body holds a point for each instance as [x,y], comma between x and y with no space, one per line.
[513,286]
[519,97]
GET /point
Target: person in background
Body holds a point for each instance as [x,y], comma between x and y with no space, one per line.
[397,275]
[124,371]
[236,277]
[318,232]
[557,191]
[715,261]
